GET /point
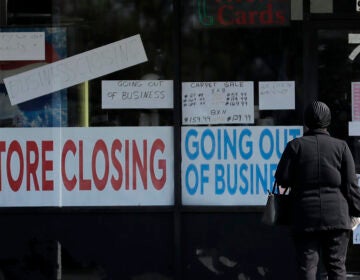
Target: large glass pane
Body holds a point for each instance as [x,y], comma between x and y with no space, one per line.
[87,25]
[85,243]
[338,68]
[255,51]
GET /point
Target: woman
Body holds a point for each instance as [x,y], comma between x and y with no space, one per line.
[319,168]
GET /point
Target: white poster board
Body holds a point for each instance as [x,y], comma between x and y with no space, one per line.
[145,94]
[22,46]
[277,95]
[354,128]
[217,103]
[99,166]
[76,69]
[231,165]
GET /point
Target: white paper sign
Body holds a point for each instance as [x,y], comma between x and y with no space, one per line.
[76,69]
[277,95]
[22,46]
[137,94]
[354,128]
[217,103]
[112,166]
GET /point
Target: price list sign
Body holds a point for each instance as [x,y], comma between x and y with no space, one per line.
[217,103]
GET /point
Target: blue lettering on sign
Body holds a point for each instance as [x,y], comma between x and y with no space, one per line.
[204,177]
[219,179]
[192,173]
[191,154]
[210,135]
[229,144]
[244,188]
[261,178]
[245,154]
[191,170]
[266,134]
[219,146]
[232,150]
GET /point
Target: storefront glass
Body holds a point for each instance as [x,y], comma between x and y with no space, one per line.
[139,138]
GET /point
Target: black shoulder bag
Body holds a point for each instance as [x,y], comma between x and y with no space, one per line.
[277,210]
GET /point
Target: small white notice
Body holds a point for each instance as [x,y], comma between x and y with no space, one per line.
[75,70]
[277,95]
[146,94]
[22,46]
[354,128]
[217,102]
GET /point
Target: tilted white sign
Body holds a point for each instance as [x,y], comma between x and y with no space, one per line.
[76,69]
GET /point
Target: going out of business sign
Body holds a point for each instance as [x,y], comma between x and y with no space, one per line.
[231,165]
[243,13]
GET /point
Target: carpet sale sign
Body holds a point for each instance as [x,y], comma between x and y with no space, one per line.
[86,166]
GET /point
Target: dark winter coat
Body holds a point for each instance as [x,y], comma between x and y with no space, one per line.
[318,168]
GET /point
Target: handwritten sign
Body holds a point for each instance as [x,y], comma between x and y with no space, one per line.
[22,46]
[277,95]
[217,102]
[76,69]
[355,101]
[137,94]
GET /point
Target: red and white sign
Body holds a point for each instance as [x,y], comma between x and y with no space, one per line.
[86,166]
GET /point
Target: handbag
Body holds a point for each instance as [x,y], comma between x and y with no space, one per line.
[277,210]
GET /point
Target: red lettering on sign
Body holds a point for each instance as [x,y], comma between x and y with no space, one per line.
[69,146]
[116,146]
[138,164]
[15,147]
[28,165]
[228,15]
[47,165]
[158,183]
[221,15]
[123,163]
[2,149]
[85,184]
[32,149]
[100,146]
[127,156]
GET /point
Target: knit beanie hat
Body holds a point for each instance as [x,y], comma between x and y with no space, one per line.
[317,115]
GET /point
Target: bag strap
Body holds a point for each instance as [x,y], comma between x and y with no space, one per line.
[276,189]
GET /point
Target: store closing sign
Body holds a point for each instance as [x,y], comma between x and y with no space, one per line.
[86,166]
[231,165]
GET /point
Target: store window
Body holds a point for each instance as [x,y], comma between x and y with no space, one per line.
[74,27]
[249,46]
[49,236]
